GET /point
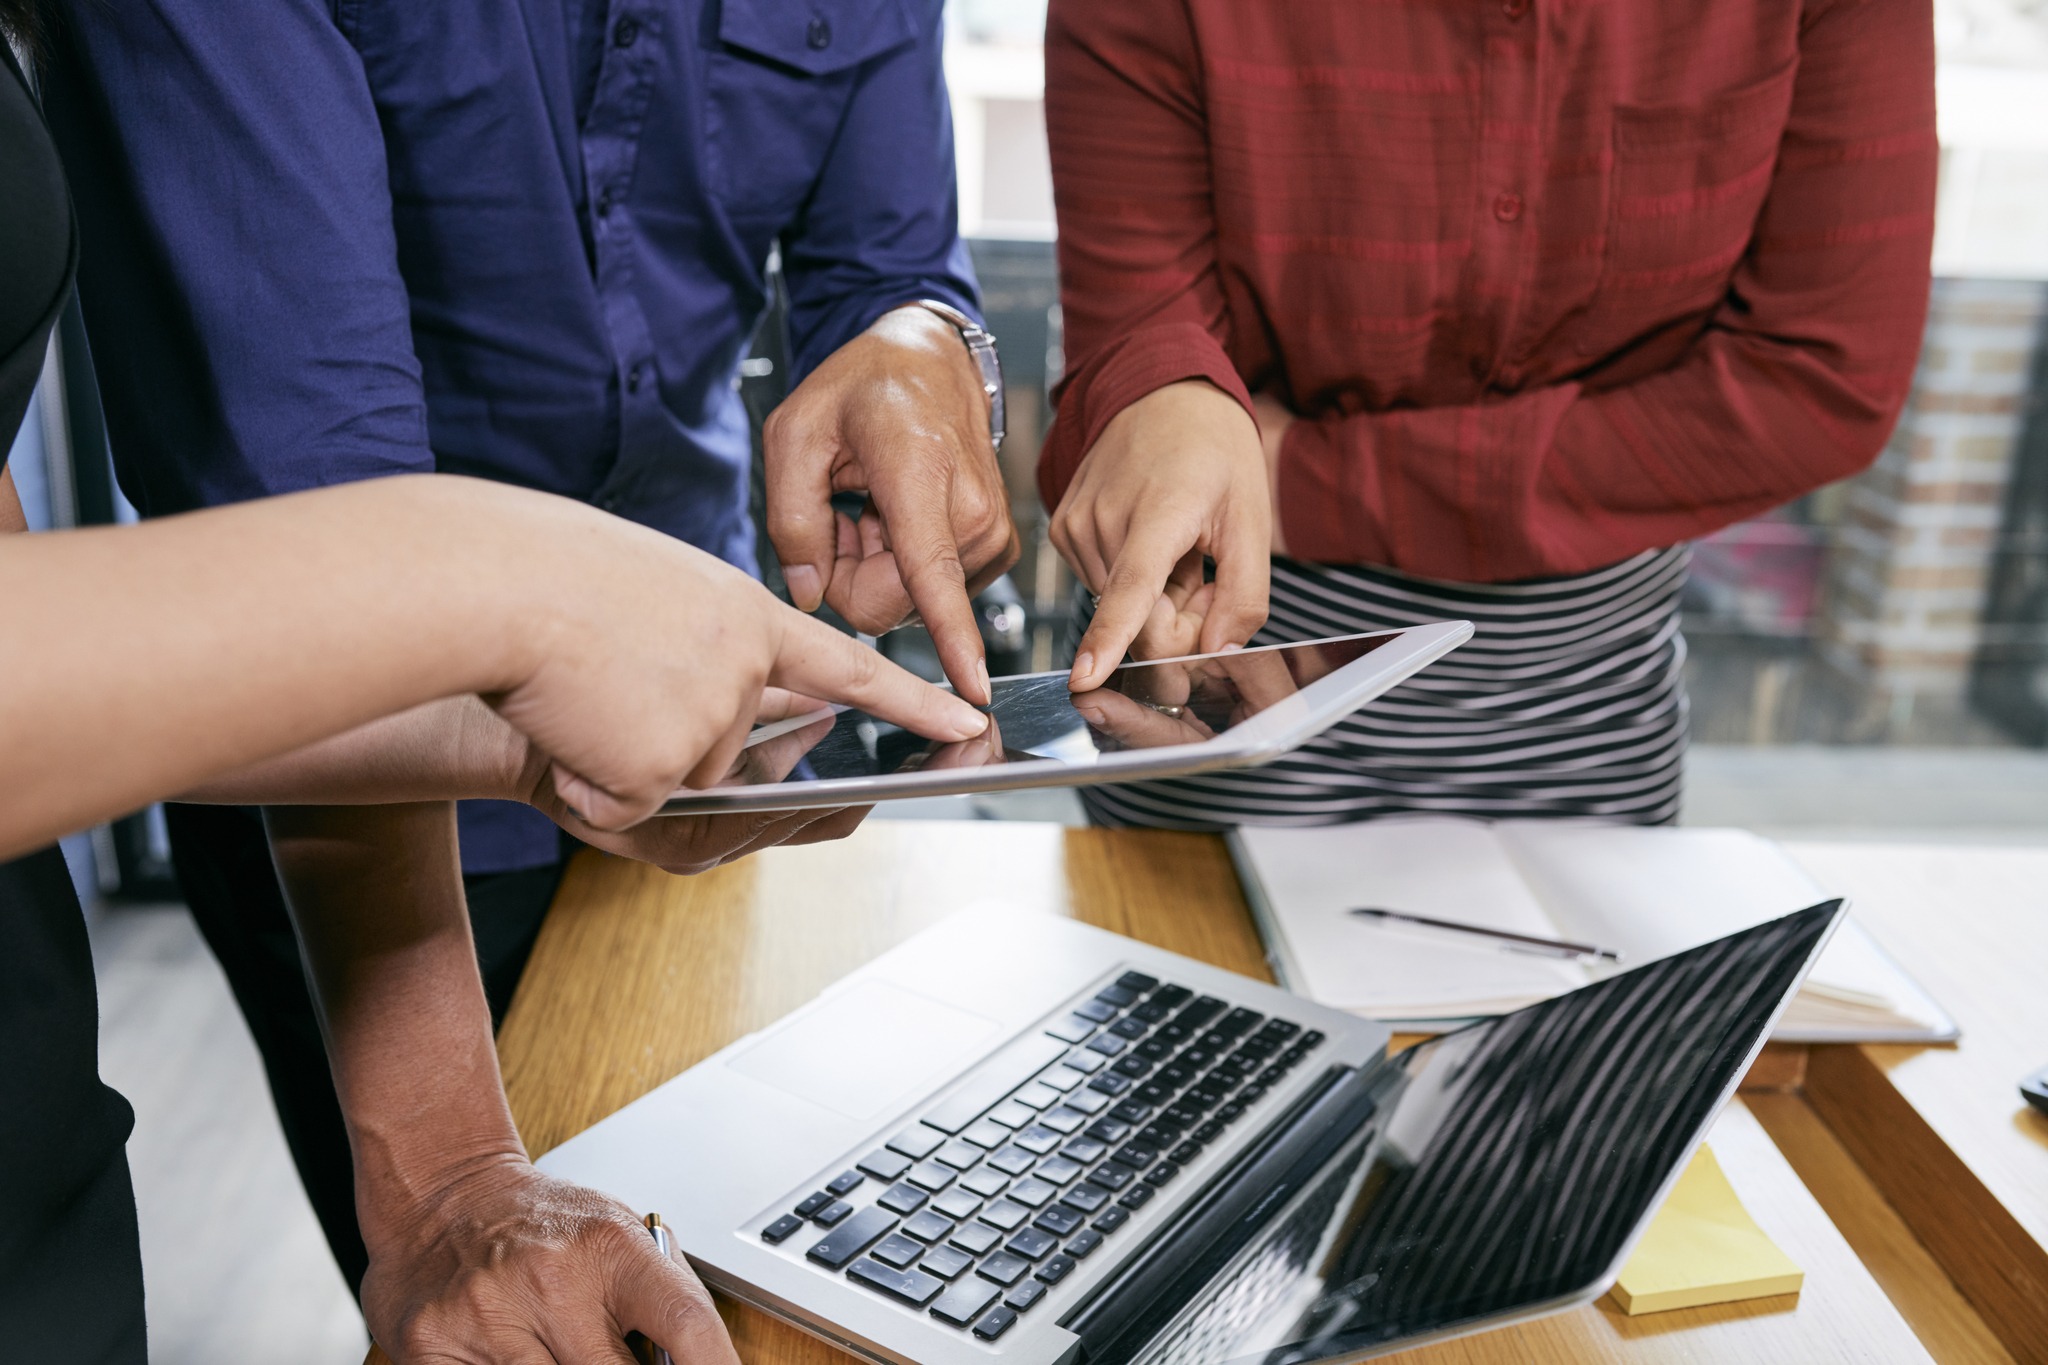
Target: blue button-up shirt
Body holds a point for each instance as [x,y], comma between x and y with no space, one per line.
[524,239]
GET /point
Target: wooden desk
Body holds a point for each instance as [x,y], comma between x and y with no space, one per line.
[638,975]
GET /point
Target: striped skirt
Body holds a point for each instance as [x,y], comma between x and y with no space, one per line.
[1569,700]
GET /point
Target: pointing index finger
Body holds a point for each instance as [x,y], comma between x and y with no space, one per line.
[818,661]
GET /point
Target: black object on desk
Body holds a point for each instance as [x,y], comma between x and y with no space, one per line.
[2035,1088]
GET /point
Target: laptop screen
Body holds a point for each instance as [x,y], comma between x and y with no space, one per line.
[1503,1168]
[1140,706]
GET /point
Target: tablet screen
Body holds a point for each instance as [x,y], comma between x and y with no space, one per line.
[1034,716]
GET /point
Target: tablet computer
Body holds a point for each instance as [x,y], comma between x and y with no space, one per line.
[1158,718]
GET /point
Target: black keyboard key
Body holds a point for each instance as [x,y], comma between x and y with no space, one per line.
[1083,1242]
[1198,1058]
[812,1203]
[1251,1094]
[1177,1075]
[1072,1029]
[1109,1130]
[1129,1028]
[985,1181]
[1111,1176]
[1133,1112]
[1056,1269]
[916,1142]
[1215,1041]
[1023,1296]
[1159,1136]
[1011,1114]
[1058,1169]
[1031,1244]
[1201,1011]
[1231,1112]
[945,1262]
[1182,1115]
[1005,1268]
[1312,1039]
[995,1324]
[1136,1155]
[1272,1075]
[1154,1094]
[958,1154]
[956,1204]
[1065,1120]
[897,1251]
[902,1198]
[1012,1160]
[1185,1153]
[884,1165]
[1208,1132]
[975,1238]
[1201,1098]
[1173,997]
[1137,981]
[1059,1220]
[1088,1102]
[1152,1012]
[1117,996]
[1154,1050]
[928,1227]
[1109,1083]
[1085,1197]
[1085,1149]
[851,1238]
[845,1182]
[832,1214]
[992,1080]
[1293,1055]
[1242,1020]
[964,1302]
[1112,1219]
[1006,1214]
[1108,1044]
[779,1230]
[1161,1173]
[1032,1192]
[1096,1011]
[1039,1139]
[932,1175]
[1279,1030]
[1136,1196]
[986,1135]
[913,1287]
[1134,1067]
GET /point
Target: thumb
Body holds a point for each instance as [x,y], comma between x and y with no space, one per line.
[667,1303]
[599,807]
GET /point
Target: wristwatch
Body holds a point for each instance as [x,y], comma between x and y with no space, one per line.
[981,347]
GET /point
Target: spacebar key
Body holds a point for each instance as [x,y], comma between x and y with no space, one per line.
[995,1078]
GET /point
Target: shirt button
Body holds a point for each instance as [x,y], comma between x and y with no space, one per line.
[627,31]
[633,380]
[1514,9]
[604,204]
[818,35]
[1508,207]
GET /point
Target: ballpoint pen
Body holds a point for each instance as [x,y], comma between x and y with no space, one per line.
[645,1351]
[1503,938]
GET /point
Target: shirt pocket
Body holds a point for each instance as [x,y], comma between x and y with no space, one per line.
[1685,185]
[778,80]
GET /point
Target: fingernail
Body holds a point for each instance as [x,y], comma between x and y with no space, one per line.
[1084,664]
[804,589]
[1091,714]
[1230,649]
[981,671]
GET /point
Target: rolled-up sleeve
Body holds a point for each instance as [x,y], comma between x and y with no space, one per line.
[239,274]
[882,226]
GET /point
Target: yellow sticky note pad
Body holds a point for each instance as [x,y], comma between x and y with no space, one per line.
[1702,1248]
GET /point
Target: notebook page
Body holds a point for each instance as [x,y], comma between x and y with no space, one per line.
[1652,892]
[1448,869]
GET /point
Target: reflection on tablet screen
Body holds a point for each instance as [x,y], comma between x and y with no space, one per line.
[1034,717]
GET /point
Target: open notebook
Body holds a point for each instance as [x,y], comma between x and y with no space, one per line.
[1644,892]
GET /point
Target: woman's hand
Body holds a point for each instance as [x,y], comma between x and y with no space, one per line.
[1174,477]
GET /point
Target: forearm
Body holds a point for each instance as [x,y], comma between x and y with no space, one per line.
[376,895]
[151,657]
[455,749]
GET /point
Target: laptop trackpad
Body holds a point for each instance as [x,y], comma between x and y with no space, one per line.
[867,1049]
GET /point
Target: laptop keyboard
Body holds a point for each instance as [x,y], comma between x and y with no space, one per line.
[1057,1143]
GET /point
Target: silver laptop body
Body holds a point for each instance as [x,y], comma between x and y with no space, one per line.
[875,1156]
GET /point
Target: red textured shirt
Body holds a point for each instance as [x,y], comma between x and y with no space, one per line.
[1550,281]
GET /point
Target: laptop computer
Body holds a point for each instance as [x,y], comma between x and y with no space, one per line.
[1019,1138]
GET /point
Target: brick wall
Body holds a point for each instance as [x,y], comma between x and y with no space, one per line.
[1910,566]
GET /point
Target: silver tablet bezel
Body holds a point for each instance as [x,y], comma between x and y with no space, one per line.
[1266,736]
